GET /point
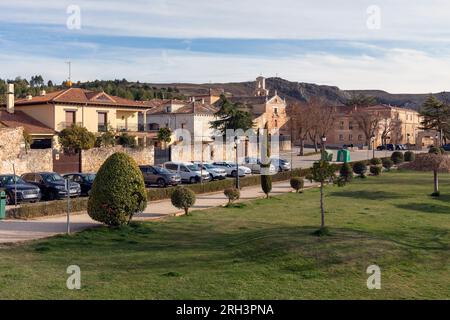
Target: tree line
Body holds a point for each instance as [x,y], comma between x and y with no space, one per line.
[121,88]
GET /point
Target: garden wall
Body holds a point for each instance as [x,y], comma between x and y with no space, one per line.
[91,160]
[13,153]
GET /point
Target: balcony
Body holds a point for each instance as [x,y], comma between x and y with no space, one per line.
[135,128]
[102,128]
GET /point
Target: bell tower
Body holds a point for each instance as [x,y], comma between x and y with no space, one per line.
[260,89]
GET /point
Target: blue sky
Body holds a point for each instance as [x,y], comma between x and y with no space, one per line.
[325,42]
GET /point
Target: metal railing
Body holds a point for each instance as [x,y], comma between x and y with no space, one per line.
[66,125]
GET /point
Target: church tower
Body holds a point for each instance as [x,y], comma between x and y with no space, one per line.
[260,89]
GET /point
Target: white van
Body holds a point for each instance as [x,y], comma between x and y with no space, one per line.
[188,172]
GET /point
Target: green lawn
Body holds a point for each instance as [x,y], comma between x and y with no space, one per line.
[264,250]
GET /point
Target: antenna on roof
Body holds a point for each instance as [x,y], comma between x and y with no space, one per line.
[69,81]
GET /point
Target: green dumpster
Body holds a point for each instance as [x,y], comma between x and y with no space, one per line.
[327,155]
[2,205]
[343,156]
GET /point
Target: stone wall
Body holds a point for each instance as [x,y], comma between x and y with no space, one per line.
[91,160]
[13,154]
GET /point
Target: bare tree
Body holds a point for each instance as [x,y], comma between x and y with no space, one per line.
[388,127]
[302,121]
[368,122]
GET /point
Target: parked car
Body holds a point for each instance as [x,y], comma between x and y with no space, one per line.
[52,185]
[281,164]
[215,173]
[159,176]
[188,171]
[255,165]
[18,189]
[446,147]
[85,180]
[400,147]
[230,168]
[389,147]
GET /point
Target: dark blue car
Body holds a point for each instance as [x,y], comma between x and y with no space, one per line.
[17,189]
[85,180]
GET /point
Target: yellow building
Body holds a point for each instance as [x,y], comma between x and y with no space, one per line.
[96,111]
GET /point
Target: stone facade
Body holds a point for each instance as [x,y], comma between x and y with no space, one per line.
[14,156]
[91,160]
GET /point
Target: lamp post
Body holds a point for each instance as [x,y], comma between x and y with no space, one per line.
[372,137]
[407,140]
[324,139]
[237,141]
[436,137]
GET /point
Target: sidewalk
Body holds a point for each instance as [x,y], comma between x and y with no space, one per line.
[12,231]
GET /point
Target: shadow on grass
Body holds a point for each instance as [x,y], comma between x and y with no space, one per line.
[367,195]
[425,207]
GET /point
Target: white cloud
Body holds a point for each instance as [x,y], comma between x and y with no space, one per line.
[399,70]
[264,19]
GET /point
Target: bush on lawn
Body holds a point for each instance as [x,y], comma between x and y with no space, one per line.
[232,194]
[118,191]
[375,170]
[375,161]
[183,198]
[387,164]
[410,156]
[346,172]
[297,183]
[397,157]
[48,208]
[360,168]
[436,150]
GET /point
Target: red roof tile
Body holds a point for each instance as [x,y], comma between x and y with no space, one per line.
[20,119]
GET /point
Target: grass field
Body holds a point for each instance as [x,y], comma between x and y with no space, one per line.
[263,250]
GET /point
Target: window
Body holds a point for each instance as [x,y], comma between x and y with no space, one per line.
[360,137]
[183,125]
[341,125]
[70,118]
[350,137]
[275,110]
[276,124]
[341,137]
[350,125]
[102,121]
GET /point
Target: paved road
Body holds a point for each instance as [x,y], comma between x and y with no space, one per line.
[12,231]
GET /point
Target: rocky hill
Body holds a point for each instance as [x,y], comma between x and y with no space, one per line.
[300,91]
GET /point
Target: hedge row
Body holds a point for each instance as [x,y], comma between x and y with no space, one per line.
[51,208]
[42,209]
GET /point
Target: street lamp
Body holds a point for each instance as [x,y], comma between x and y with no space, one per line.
[436,137]
[324,139]
[372,137]
[407,140]
[237,141]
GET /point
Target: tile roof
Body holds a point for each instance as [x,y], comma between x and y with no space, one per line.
[20,119]
[187,108]
[80,96]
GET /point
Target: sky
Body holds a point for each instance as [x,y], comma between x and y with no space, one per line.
[401,46]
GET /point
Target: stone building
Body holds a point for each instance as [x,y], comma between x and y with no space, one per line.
[399,125]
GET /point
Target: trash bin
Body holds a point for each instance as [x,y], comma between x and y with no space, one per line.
[2,205]
[343,156]
[327,155]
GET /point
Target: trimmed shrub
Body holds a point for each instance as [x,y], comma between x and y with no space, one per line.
[410,156]
[435,150]
[127,141]
[44,209]
[375,170]
[375,161]
[387,164]
[266,184]
[183,198]
[232,194]
[297,183]
[346,172]
[397,157]
[360,168]
[118,191]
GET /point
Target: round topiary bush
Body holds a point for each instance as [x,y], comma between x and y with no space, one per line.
[118,191]
[183,198]
[435,150]
[375,170]
[360,168]
[297,183]
[232,194]
[387,164]
[410,156]
[346,172]
[375,161]
[397,157]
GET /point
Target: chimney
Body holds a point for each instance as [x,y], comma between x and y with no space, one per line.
[29,97]
[10,98]
[203,100]
[43,93]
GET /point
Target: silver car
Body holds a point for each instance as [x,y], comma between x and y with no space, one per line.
[281,164]
[187,171]
[230,168]
[216,173]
